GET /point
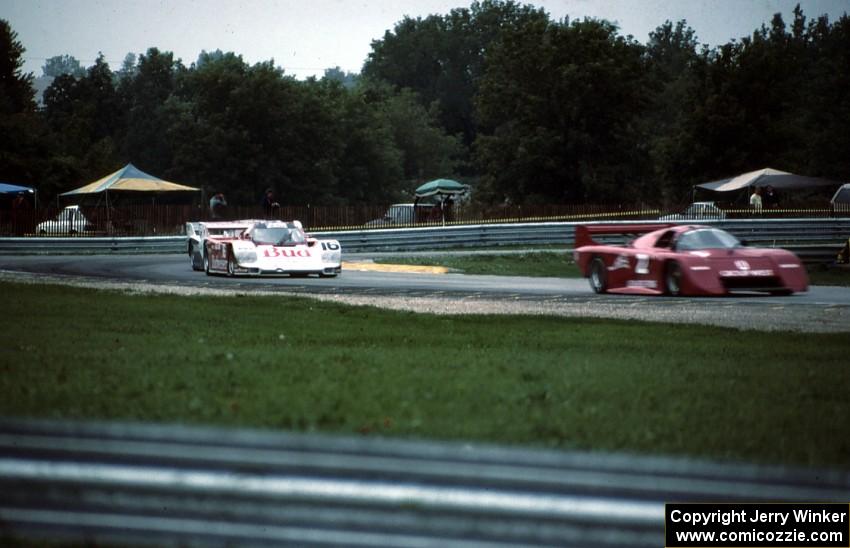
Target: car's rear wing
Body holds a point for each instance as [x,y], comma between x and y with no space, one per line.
[200,229]
[584,233]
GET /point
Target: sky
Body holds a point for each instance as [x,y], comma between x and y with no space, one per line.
[305,37]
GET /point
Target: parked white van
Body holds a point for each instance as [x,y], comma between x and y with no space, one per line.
[69,221]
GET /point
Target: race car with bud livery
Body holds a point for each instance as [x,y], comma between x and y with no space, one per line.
[669,259]
[197,234]
[273,248]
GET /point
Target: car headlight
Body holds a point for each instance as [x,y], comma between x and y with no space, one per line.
[331,256]
[246,255]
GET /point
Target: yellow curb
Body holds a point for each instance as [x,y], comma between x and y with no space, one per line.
[376,267]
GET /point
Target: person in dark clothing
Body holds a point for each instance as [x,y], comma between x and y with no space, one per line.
[269,204]
[770,197]
[217,205]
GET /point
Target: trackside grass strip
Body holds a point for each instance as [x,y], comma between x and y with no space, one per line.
[297,364]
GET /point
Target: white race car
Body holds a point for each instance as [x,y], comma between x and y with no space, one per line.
[198,233]
[271,248]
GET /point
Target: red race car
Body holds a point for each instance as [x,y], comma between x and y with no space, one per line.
[683,260]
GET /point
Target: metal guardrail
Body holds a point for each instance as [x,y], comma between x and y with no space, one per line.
[113,482]
[82,244]
[812,239]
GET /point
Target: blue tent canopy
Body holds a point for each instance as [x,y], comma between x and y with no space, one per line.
[6,188]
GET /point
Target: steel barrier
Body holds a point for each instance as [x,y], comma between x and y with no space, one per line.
[82,244]
[177,485]
[816,240]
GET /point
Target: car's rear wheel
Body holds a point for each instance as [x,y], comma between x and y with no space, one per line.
[673,279]
[231,265]
[598,275]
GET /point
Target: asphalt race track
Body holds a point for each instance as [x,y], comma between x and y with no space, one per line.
[821,309]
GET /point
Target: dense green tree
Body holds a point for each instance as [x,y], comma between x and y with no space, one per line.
[347,79]
[208,151]
[22,145]
[63,64]
[826,112]
[774,99]
[241,129]
[144,97]
[426,151]
[85,117]
[128,69]
[311,142]
[559,107]
[670,57]
[442,58]
[16,93]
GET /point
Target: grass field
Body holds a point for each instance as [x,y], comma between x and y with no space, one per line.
[560,265]
[298,364]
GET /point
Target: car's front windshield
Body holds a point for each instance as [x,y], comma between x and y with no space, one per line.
[278,236]
[706,238]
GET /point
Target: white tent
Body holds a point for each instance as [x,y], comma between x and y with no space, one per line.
[766,177]
[842,195]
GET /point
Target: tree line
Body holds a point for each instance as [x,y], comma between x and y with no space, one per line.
[498,94]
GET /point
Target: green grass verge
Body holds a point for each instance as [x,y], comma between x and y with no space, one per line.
[560,265]
[298,364]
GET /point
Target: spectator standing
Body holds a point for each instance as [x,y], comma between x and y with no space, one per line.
[217,206]
[19,204]
[755,199]
[770,197]
[269,204]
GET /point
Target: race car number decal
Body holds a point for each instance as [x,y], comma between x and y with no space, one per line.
[745,273]
[622,261]
[642,265]
[330,246]
[648,284]
[285,252]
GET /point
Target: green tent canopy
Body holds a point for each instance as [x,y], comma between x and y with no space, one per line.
[446,187]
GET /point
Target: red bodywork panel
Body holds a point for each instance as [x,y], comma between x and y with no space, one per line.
[641,268]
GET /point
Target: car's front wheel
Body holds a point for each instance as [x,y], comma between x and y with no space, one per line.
[206,263]
[598,275]
[673,279]
[193,258]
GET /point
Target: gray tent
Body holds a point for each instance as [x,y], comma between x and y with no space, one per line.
[842,195]
[764,177]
